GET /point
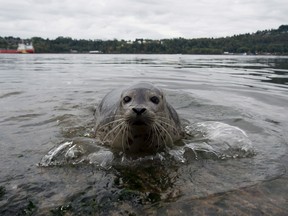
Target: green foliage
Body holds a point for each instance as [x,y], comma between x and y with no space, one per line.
[9,42]
[261,42]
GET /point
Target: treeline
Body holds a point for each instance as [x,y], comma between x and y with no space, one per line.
[273,41]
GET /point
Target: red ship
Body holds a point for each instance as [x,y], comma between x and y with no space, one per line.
[22,48]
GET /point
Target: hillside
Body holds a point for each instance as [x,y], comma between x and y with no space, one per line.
[273,41]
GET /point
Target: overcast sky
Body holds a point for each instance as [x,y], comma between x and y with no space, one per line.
[130,19]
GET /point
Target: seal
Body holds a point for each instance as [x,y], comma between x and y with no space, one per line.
[137,119]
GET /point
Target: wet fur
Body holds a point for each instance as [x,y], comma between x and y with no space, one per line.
[119,125]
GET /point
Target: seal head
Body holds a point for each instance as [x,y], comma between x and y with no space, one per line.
[137,119]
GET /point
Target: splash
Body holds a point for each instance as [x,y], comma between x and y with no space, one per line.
[222,140]
[209,140]
[77,151]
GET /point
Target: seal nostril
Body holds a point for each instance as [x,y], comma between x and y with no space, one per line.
[139,111]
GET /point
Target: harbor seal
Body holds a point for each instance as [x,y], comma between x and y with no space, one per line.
[137,119]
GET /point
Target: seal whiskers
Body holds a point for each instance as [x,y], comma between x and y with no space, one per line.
[125,134]
[165,132]
[113,130]
[109,123]
[168,123]
[137,119]
[159,137]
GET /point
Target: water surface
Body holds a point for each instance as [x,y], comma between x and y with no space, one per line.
[46,100]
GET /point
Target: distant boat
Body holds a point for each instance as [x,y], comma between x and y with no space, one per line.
[22,48]
[95,52]
[7,51]
[25,48]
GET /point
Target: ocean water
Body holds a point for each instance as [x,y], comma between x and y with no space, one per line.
[235,107]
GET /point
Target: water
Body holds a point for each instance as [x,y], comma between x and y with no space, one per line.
[48,100]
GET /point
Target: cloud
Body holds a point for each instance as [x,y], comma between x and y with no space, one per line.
[129,19]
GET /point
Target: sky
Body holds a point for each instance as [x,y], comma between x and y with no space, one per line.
[131,19]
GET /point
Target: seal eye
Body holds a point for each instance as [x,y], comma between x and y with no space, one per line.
[155,100]
[127,99]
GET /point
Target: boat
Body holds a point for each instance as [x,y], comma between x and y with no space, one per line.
[7,51]
[25,48]
[22,48]
[95,52]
